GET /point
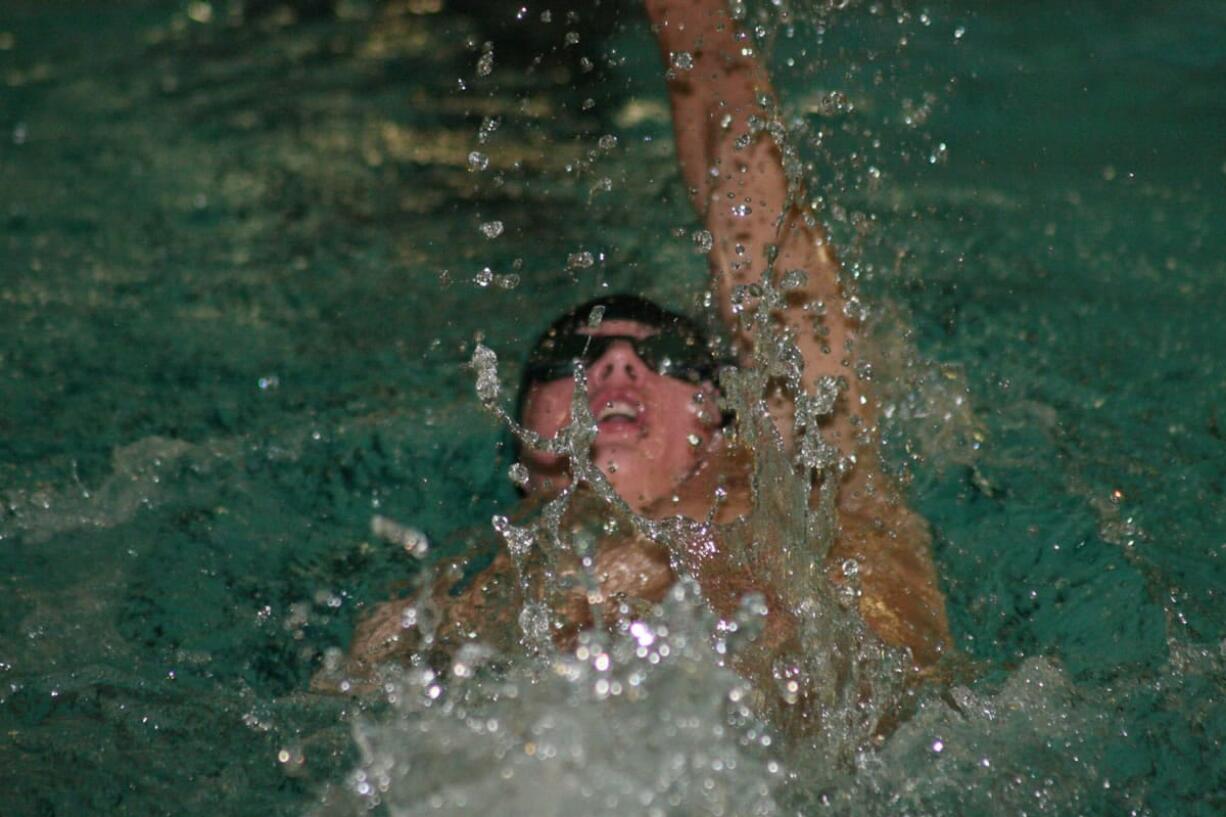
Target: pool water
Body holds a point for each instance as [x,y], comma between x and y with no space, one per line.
[247,255]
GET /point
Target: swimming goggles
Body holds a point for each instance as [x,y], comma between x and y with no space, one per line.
[670,353]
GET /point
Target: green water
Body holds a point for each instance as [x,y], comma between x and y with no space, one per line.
[238,287]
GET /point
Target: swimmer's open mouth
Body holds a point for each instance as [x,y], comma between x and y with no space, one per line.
[618,411]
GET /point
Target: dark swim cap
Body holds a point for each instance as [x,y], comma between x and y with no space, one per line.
[621,307]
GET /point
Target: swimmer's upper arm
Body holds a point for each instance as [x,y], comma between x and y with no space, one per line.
[735,175]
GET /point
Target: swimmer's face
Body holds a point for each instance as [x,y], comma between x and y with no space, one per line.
[653,430]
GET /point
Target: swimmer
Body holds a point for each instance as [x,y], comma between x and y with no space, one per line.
[653,390]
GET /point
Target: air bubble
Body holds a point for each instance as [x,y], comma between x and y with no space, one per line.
[477,161]
[607,142]
[491,229]
[682,60]
[703,241]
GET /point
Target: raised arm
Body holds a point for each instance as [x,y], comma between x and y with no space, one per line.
[723,115]
[735,174]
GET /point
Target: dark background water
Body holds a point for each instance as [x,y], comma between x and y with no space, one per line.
[237,290]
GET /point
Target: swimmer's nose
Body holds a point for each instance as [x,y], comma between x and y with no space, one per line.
[618,361]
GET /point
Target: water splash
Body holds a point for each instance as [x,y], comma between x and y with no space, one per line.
[644,713]
[642,721]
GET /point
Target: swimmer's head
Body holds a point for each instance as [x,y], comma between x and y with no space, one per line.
[652,390]
[675,346]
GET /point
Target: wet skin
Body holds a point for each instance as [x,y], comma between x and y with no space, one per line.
[653,431]
[658,440]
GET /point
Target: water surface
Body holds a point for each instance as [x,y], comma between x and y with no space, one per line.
[242,270]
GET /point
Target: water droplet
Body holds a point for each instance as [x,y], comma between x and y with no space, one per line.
[485,64]
[580,260]
[741,210]
[477,161]
[854,309]
[491,229]
[534,621]
[793,279]
[832,103]
[200,12]
[412,540]
[694,440]
[488,125]
[485,361]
